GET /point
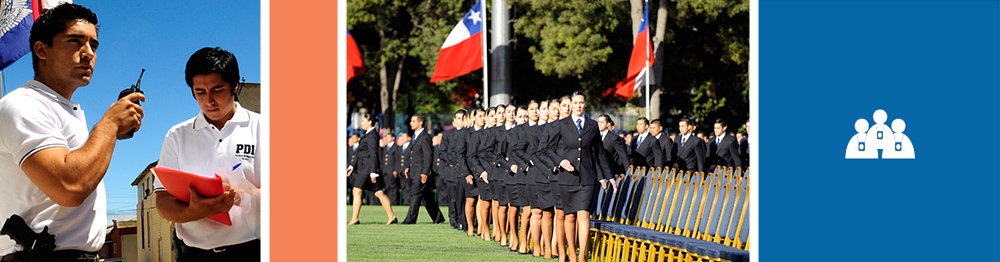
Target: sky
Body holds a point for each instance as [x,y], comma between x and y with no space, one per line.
[159,36]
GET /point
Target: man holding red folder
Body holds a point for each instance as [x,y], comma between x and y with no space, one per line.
[222,135]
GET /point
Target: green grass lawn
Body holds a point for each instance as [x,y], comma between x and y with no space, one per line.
[373,240]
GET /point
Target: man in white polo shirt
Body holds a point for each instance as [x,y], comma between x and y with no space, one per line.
[221,136]
[51,167]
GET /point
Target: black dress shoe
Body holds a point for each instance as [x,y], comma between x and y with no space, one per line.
[394,221]
[355,223]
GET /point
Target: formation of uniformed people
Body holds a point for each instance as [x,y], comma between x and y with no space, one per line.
[526,176]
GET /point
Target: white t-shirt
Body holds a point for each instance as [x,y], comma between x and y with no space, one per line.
[32,118]
[198,147]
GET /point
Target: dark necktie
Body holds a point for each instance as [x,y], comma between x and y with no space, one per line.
[579,125]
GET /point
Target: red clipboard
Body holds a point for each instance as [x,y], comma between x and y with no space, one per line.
[177,182]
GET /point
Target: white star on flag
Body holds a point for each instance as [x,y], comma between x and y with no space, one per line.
[475,17]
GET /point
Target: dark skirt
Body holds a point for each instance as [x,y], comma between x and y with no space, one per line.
[364,181]
[544,196]
[500,192]
[576,198]
[522,193]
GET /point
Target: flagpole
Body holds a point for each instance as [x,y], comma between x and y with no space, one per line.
[648,73]
[486,75]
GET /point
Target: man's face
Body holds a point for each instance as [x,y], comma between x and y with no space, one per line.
[354,140]
[641,126]
[533,112]
[602,124]
[578,105]
[415,123]
[522,116]
[655,129]
[719,129]
[458,121]
[71,58]
[214,97]
[683,128]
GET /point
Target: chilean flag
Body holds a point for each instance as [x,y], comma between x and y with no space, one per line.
[355,66]
[15,26]
[462,52]
[641,52]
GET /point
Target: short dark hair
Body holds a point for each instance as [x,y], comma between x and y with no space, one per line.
[421,118]
[461,111]
[522,107]
[532,102]
[657,122]
[643,119]
[565,98]
[553,101]
[579,93]
[389,133]
[213,60]
[686,121]
[53,22]
[607,118]
[477,111]
[720,121]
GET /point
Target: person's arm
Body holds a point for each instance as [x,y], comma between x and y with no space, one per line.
[69,177]
[170,208]
[623,159]
[734,153]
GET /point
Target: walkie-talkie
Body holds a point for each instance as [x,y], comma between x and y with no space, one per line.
[127,91]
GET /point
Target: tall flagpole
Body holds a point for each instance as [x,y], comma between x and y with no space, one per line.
[486,75]
[648,73]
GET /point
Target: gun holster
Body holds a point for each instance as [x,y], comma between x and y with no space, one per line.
[36,247]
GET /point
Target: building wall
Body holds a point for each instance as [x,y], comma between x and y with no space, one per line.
[129,250]
[154,239]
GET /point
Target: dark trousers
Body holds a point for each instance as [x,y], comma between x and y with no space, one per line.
[405,185]
[422,192]
[246,251]
[392,188]
[458,201]
[448,190]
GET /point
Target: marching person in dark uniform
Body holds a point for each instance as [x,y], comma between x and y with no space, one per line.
[368,166]
[418,170]
[390,160]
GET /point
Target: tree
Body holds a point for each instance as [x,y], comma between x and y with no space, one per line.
[385,18]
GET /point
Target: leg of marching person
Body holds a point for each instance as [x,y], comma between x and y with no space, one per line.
[356,193]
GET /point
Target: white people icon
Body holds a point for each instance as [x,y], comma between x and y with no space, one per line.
[866,145]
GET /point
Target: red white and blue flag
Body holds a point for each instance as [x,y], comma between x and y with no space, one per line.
[462,52]
[642,52]
[16,18]
[355,66]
